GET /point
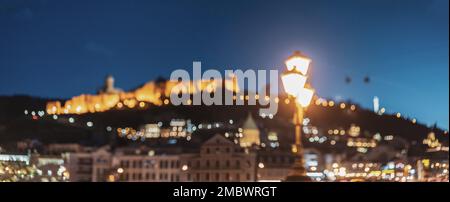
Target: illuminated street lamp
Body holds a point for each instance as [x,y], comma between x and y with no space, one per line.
[294,81]
[299,62]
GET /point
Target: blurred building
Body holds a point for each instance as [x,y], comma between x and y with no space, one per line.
[64,148]
[274,165]
[123,165]
[146,168]
[89,165]
[219,160]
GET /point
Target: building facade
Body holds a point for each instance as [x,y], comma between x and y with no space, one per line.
[145,168]
[219,160]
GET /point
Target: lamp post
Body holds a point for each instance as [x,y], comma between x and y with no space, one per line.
[294,81]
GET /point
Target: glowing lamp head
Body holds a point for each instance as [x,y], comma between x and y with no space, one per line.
[299,62]
[292,82]
[304,97]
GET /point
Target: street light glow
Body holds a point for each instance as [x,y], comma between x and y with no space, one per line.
[120,170]
[304,97]
[292,82]
[299,62]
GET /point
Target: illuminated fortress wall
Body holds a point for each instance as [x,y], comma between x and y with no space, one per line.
[152,93]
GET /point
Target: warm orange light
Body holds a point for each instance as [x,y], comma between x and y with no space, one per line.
[294,149]
[111,178]
[318,102]
[131,103]
[114,98]
[331,103]
[277,100]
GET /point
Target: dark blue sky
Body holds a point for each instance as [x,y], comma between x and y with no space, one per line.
[59,48]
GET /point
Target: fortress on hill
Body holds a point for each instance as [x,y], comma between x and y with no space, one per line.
[154,93]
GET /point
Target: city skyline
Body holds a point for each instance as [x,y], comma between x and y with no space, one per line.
[69,55]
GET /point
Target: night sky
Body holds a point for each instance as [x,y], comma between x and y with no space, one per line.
[59,48]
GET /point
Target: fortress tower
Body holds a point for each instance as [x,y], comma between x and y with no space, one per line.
[109,86]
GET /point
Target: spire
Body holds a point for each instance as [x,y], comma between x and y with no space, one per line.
[250,122]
